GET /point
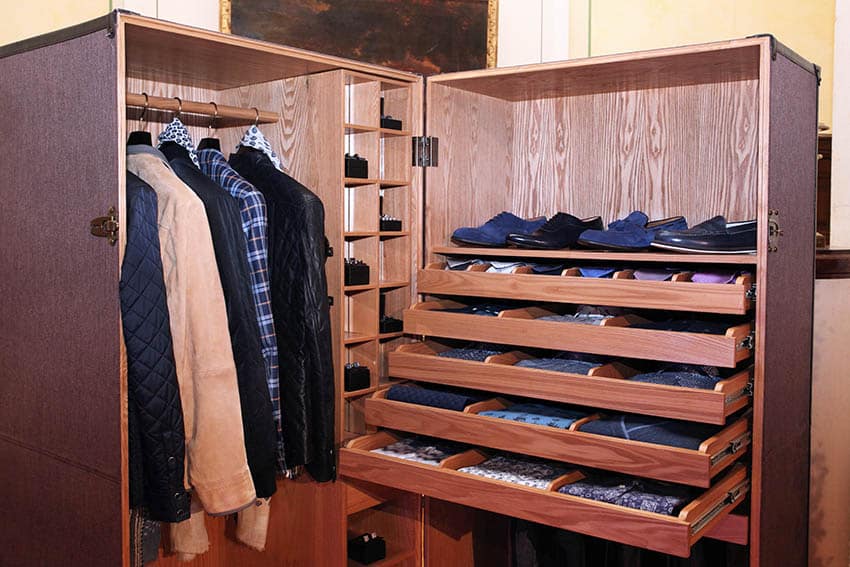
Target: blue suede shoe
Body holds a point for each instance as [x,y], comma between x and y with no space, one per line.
[495,231]
[634,232]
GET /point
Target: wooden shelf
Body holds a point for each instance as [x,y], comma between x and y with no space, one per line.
[389,561]
[393,233]
[387,132]
[363,287]
[386,183]
[673,464]
[670,534]
[355,181]
[351,338]
[665,257]
[371,389]
[605,387]
[388,336]
[393,284]
[613,337]
[358,128]
[359,234]
[621,292]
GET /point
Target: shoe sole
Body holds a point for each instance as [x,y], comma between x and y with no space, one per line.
[479,244]
[677,248]
[609,246]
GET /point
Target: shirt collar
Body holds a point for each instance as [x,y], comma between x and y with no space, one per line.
[253,138]
[177,132]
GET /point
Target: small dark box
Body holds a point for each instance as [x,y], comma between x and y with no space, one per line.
[390,325]
[390,123]
[390,225]
[365,550]
[356,377]
[356,166]
[356,273]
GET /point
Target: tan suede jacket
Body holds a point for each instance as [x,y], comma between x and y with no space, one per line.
[217,468]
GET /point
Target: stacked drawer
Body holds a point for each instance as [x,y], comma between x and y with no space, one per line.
[718,479]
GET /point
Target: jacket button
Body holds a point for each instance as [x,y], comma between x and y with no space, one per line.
[177,495]
[179,511]
[171,461]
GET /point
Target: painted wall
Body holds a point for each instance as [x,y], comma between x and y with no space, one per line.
[25,19]
[533,31]
[806,27]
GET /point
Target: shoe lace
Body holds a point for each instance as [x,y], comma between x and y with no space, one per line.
[553,222]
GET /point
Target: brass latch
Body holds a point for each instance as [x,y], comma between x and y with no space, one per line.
[106,227]
[774,231]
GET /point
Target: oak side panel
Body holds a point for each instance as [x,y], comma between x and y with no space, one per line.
[784,323]
[459,535]
[60,381]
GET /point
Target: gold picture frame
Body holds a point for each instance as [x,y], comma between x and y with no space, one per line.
[225,13]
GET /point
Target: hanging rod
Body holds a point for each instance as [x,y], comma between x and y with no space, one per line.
[247,115]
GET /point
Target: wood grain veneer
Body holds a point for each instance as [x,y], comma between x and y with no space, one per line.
[661,462]
[634,527]
[620,291]
[417,361]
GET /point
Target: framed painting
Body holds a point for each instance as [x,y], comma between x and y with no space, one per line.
[423,36]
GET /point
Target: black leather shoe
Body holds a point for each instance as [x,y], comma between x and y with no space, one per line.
[561,231]
[714,236]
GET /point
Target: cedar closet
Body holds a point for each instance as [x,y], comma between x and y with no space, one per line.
[725,128]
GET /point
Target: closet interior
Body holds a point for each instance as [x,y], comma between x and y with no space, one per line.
[725,128]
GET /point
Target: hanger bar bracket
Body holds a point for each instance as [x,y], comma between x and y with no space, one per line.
[221,111]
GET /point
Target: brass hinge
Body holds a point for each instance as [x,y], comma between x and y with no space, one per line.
[106,227]
[774,230]
[426,151]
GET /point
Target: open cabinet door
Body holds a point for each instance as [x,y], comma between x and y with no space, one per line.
[61,385]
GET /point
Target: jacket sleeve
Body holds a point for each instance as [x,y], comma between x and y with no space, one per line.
[218,468]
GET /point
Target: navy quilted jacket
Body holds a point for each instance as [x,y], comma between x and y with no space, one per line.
[299,291]
[155,415]
[225,222]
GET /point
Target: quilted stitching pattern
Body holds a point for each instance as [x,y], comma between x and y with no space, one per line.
[156,415]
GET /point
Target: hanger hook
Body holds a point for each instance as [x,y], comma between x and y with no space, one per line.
[257,118]
[214,118]
[179,107]
[145,109]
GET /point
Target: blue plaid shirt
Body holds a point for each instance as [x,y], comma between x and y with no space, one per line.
[252,205]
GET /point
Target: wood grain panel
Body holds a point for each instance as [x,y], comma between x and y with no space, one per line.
[649,460]
[474,177]
[676,296]
[61,386]
[56,512]
[709,406]
[459,535]
[634,527]
[688,348]
[399,522]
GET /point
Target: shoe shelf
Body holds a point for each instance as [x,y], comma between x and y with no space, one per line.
[621,290]
[667,534]
[606,386]
[613,337]
[567,254]
[661,462]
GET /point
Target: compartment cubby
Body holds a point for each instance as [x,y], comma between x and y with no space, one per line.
[361,209]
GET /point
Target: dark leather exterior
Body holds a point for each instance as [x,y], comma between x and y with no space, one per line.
[155,415]
[229,243]
[297,254]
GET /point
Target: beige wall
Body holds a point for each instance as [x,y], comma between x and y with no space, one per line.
[806,26]
[23,19]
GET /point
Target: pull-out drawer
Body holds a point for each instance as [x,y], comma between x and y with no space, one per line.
[623,290]
[667,534]
[606,386]
[673,464]
[613,337]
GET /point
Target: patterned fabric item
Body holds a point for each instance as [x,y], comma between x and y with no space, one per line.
[429,397]
[475,354]
[252,206]
[655,274]
[484,309]
[422,450]
[535,473]
[253,138]
[177,132]
[594,272]
[581,318]
[462,264]
[686,326]
[658,497]
[547,269]
[683,434]
[145,536]
[538,414]
[559,365]
[717,276]
[683,375]
[504,267]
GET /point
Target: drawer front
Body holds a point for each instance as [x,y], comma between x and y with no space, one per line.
[669,295]
[666,534]
[623,342]
[673,464]
[419,362]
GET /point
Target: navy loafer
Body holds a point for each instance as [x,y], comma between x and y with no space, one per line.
[714,236]
[635,232]
[561,231]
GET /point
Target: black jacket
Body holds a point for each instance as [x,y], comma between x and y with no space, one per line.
[299,292]
[231,256]
[155,414]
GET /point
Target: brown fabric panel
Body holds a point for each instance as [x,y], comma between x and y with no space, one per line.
[786,308]
[59,315]
[55,513]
